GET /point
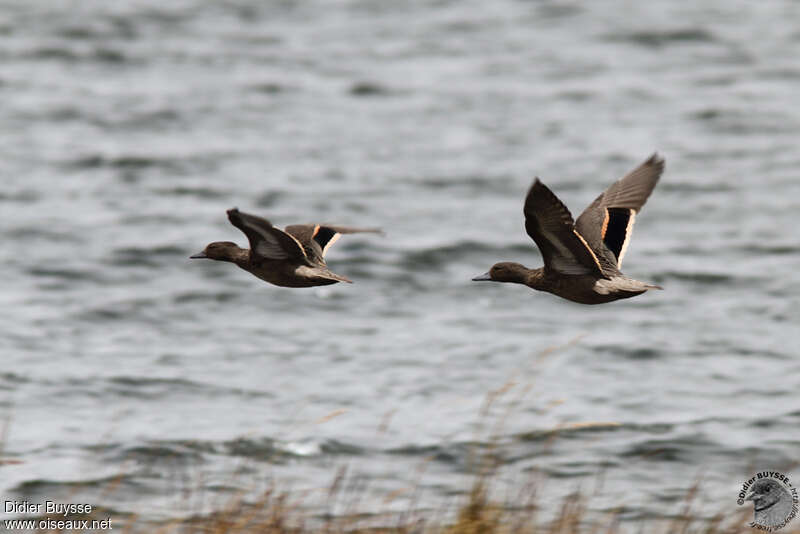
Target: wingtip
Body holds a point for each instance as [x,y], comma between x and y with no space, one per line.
[374,230]
[656,160]
[537,184]
[538,188]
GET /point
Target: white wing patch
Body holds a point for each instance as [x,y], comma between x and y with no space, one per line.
[299,245]
[585,244]
[628,233]
[330,242]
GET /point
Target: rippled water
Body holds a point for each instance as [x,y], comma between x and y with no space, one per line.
[129,127]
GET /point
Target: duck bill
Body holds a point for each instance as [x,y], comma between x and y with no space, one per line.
[199,255]
[482,278]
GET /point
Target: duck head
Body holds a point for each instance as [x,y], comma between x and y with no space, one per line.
[219,250]
[506,271]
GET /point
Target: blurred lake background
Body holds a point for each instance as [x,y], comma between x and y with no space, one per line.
[129,127]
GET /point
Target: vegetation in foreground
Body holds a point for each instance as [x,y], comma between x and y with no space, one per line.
[282,512]
[279,513]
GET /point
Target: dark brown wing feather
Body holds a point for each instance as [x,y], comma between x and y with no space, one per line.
[319,237]
[550,225]
[266,241]
[607,224]
[304,233]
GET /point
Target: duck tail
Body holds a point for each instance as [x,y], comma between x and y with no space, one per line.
[333,276]
[629,284]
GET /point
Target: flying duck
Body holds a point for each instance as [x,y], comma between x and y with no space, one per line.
[582,259]
[293,257]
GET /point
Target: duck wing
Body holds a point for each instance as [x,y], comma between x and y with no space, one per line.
[266,241]
[550,225]
[607,224]
[318,238]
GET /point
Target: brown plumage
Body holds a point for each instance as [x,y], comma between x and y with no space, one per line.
[582,259]
[294,257]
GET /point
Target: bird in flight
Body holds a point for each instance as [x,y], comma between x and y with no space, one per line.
[293,257]
[583,258]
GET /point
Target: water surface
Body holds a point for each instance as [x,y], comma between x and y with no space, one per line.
[128,128]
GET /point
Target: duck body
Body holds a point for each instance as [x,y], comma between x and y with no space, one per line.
[580,288]
[294,257]
[582,259]
[283,274]
[590,290]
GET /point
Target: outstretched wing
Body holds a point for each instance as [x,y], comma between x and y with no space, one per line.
[550,225]
[320,237]
[266,241]
[607,224]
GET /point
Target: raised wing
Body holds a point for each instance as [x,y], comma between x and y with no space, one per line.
[266,241]
[319,237]
[607,224]
[550,225]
